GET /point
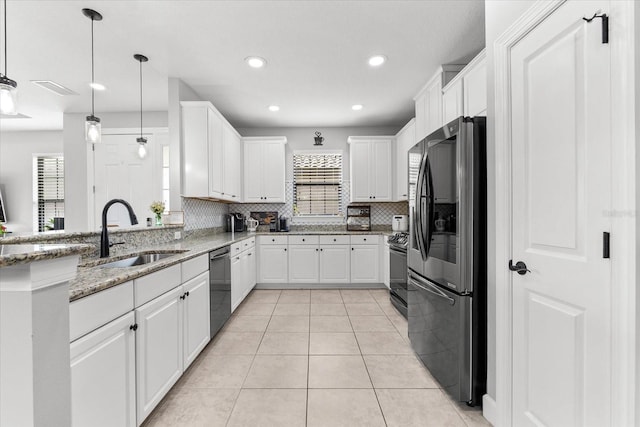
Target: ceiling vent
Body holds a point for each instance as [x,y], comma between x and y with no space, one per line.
[53,87]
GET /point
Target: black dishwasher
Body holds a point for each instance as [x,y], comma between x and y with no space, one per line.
[220,288]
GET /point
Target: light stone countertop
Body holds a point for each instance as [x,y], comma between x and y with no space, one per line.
[22,254]
[91,278]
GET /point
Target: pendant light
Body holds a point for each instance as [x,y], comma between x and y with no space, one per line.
[8,87]
[92,127]
[142,150]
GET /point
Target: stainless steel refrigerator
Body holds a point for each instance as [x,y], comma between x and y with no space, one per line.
[447,256]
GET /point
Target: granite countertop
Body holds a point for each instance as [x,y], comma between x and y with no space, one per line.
[91,278]
[22,254]
[53,236]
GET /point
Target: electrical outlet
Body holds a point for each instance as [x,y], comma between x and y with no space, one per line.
[177,235]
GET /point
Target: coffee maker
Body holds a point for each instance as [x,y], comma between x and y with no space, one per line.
[283,223]
[234,222]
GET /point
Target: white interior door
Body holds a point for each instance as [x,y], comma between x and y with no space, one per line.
[119,173]
[561,184]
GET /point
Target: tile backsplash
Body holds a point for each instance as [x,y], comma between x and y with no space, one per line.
[201,214]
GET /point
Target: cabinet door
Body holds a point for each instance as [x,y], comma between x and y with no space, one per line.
[272,264]
[452,102]
[335,264]
[158,349]
[273,164]
[364,264]
[231,166]
[196,151]
[380,171]
[196,317]
[216,154]
[237,278]
[103,376]
[386,267]
[361,190]
[252,268]
[253,163]
[404,142]
[434,107]
[475,91]
[303,263]
[421,118]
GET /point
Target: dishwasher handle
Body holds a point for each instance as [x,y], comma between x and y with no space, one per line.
[219,253]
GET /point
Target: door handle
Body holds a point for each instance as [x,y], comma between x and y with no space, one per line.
[520,267]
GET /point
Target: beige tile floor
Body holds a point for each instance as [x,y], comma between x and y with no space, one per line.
[311,358]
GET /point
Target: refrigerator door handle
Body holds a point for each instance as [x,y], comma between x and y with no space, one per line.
[431,289]
[418,209]
[431,205]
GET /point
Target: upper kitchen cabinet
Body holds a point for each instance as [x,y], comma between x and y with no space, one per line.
[211,150]
[429,101]
[371,168]
[405,139]
[466,93]
[264,169]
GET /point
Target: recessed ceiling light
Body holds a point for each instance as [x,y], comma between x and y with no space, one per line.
[377,60]
[255,61]
[357,107]
[274,108]
[97,86]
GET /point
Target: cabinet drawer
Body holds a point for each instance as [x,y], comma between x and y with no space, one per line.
[303,240]
[247,244]
[338,239]
[273,240]
[89,313]
[155,284]
[194,266]
[365,239]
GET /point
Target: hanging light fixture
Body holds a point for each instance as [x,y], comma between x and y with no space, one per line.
[142,150]
[8,87]
[92,127]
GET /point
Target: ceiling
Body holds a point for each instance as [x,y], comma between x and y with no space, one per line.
[316,54]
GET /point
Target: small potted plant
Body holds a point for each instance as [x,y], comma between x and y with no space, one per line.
[157,208]
[3,230]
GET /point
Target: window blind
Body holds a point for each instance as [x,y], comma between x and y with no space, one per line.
[317,184]
[50,190]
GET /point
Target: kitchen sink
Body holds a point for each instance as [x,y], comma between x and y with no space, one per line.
[141,259]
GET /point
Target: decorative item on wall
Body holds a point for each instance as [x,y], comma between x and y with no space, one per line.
[92,126]
[318,139]
[142,150]
[8,87]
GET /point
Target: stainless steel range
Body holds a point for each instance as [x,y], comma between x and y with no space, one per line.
[398,243]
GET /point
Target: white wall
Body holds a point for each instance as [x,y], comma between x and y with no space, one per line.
[16,173]
[77,155]
[499,15]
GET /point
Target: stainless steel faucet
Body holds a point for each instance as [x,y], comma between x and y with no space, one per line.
[104,237]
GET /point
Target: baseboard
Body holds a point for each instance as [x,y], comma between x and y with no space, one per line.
[489,409]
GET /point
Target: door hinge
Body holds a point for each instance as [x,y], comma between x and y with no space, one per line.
[605,244]
[605,25]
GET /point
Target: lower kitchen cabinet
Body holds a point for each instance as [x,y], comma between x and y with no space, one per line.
[364,264]
[273,264]
[103,388]
[335,264]
[196,317]
[159,353]
[243,275]
[236,281]
[303,263]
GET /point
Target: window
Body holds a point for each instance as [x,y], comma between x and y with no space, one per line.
[317,184]
[49,190]
[165,177]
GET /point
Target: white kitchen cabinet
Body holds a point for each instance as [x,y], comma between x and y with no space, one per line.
[428,102]
[232,149]
[386,265]
[237,281]
[264,169]
[364,264]
[196,317]
[452,105]
[103,388]
[405,139]
[371,168]
[304,261]
[475,86]
[159,353]
[243,271]
[273,264]
[211,153]
[335,263]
